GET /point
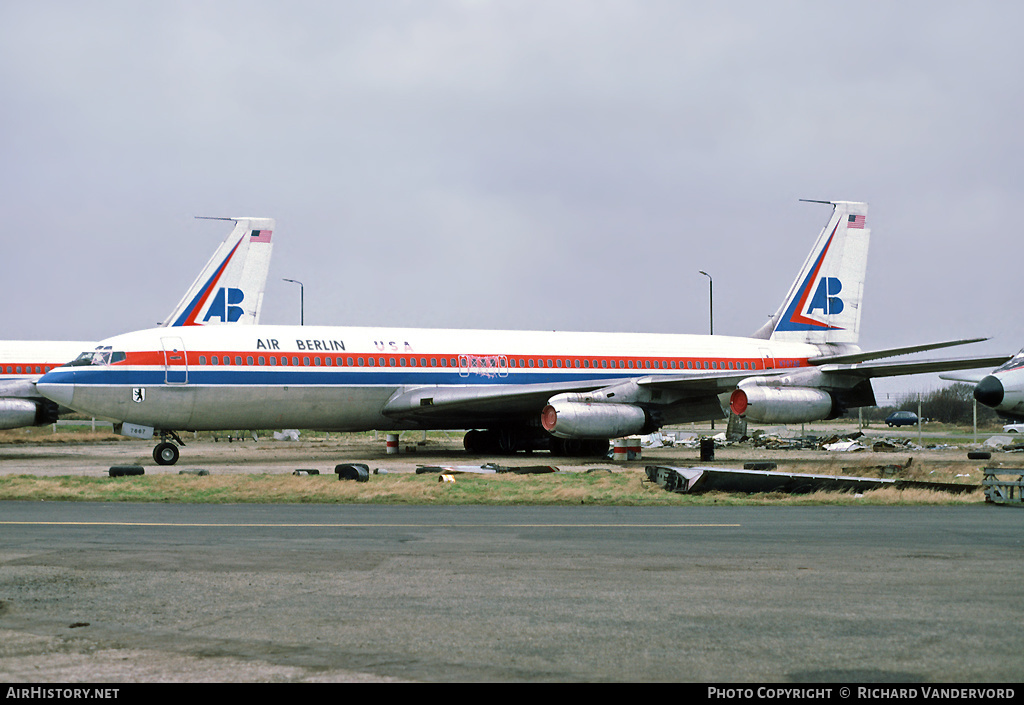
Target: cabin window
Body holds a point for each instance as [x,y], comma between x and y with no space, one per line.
[202,359]
[248,360]
[238,359]
[327,361]
[361,362]
[348,361]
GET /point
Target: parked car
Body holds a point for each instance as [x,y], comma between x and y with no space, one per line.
[1013,428]
[901,418]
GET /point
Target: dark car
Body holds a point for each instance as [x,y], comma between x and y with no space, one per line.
[901,418]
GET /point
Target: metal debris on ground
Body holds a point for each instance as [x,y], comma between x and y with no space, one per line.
[359,472]
[1008,491]
[705,479]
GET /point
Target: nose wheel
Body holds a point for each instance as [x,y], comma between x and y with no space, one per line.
[166,453]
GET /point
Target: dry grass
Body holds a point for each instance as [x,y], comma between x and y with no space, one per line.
[621,487]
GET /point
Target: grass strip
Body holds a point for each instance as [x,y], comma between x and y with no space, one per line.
[619,488]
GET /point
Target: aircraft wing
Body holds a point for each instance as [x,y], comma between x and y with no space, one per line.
[889,352]
[914,367]
[509,400]
[478,403]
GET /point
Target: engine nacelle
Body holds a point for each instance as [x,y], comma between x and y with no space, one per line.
[574,419]
[781,404]
[16,413]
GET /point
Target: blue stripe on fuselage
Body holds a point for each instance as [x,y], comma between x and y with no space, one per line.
[323,377]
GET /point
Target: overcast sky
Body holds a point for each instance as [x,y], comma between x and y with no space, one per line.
[516,165]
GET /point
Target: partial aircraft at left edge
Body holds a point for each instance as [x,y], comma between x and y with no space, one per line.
[229,289]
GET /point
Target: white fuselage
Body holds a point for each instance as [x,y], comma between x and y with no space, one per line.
[341,378]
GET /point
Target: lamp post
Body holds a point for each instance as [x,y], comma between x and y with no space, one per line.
[711,313]
[302,301]
[711,300]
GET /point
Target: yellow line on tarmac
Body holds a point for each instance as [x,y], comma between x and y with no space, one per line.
[365,525]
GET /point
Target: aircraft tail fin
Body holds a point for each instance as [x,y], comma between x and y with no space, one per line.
[824,303]
[230,287]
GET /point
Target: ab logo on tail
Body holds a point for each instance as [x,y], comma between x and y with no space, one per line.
[824,298]
[824,302]
[226,306]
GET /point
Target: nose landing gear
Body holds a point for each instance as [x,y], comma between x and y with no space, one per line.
[166,453]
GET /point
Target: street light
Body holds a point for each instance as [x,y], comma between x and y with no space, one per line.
[302,301]
[711,300]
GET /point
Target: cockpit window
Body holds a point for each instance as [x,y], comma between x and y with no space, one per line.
[1013,363]
[99,356]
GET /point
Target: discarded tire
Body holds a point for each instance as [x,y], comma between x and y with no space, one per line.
[353,471]
[978,455]
[124,470]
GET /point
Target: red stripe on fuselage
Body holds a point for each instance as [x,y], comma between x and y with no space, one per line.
[602,363]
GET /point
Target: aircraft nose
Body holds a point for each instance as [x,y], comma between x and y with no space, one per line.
[62,391]
[989,391]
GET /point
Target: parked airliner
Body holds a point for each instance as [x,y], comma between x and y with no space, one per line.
[1002,389]
[229,289]
[570,392]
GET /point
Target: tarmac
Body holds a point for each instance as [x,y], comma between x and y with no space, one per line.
[143,593]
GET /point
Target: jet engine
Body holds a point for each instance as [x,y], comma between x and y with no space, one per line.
[574,419]
[781,404]
[16,413]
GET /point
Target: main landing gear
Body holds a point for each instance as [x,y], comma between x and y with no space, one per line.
[506,441]
[166,453]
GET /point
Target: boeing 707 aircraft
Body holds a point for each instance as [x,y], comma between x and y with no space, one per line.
[569,392]
[229,289]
